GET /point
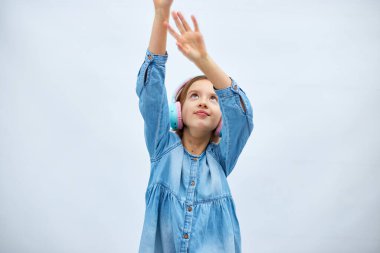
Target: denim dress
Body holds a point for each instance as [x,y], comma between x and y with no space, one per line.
[189,206]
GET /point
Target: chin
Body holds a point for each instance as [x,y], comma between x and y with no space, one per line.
[201,128]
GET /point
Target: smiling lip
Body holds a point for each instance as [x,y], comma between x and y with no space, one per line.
[202,113]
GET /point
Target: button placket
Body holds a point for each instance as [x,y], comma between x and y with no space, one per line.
[189,202]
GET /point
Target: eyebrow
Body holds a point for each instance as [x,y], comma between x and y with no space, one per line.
[211,93]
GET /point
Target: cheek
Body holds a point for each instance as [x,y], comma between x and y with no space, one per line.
[185,112]
[218,111]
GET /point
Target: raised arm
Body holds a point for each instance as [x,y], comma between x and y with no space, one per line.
[235,106]
[150,86]
[158,37]
[192,45]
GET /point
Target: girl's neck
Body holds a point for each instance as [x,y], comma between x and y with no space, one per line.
[194,144]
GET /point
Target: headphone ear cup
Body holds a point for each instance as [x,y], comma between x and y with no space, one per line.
[218,130]
[179,115]
[175,116]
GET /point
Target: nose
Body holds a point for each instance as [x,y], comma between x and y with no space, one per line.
[202,104]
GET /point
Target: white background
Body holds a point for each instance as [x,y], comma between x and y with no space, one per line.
[73,162]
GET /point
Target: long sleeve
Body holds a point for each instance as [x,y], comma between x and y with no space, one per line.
[237,125]
[153,104]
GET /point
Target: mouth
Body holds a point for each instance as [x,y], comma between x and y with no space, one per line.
[202,113]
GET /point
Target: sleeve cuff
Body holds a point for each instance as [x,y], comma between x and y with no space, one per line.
[229,91]
[158,58]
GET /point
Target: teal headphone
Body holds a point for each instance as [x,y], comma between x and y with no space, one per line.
[175,114]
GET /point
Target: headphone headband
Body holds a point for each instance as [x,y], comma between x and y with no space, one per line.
[179,89]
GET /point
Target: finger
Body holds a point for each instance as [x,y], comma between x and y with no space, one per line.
[196,27]
[172,31]
[184,22]
[181,48]
[178,22]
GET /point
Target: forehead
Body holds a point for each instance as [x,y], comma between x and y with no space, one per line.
[203,85]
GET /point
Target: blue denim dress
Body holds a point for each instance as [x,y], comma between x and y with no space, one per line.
[189,207]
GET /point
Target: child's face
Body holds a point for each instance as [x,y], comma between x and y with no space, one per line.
[201,110]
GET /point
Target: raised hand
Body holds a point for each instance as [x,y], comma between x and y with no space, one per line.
[189,42]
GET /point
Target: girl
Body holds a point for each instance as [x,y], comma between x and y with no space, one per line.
[189,207]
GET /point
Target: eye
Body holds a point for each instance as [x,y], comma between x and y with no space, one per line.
[194,96]
[214,98]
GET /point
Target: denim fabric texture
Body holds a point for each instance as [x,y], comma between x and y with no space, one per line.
[189,206]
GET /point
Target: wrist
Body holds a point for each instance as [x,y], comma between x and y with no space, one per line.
[203,61]
[162,13]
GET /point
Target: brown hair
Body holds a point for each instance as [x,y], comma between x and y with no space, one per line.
[182,97]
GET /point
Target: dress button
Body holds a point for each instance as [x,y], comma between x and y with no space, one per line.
[150,57]
[192,183]
[194,158]
[189,209]
[185,236]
